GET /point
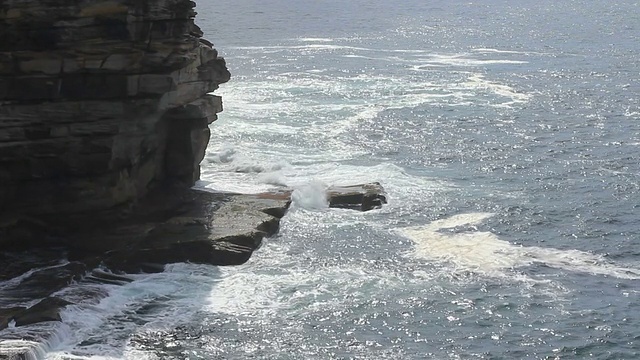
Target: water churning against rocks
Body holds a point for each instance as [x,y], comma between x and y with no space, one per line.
[506,135]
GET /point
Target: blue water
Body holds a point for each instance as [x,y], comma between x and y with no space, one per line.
[506,135]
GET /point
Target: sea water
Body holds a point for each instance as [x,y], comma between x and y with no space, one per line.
[506,135]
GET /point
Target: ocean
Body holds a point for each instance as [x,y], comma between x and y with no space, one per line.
[506,134]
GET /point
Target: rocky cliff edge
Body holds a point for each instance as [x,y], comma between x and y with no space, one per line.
[100,102]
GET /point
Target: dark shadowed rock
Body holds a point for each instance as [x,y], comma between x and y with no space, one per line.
[184,226]
[100,103]
[46,310]
[357,197]
[8,314]
[363,197]
[203,227]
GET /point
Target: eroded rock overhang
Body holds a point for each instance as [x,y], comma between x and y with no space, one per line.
[100,102]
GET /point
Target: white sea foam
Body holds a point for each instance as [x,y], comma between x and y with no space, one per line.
[368,97]
[273,178]
[284,115]
[478,82]
[312,46]
[353,56]
[309,39]
[306,168]
[223,155]
[488,50]
[498,51]
[113,319]
[485,253]
[320,44]
[464,61]
[228,158]
[632,114]
[232,170]
[281,284]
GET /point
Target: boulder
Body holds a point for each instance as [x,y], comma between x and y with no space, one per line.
[362,197]
[357,197]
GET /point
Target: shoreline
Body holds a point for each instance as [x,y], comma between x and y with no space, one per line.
[195,226]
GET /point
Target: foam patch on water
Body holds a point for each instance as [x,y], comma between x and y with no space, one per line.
[478,82]
[297,108]
[463,61]
[309,39]
[485,253]
[498,51]
[292,288]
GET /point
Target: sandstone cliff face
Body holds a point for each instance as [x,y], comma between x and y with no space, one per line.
[100,102]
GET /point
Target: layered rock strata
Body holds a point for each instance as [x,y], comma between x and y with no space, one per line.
[100,102]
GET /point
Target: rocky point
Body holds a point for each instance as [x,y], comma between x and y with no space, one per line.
[105,109]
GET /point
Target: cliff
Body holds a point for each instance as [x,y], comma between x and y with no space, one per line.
[100,103]
[104,119]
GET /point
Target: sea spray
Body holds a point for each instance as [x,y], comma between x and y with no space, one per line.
[311,196]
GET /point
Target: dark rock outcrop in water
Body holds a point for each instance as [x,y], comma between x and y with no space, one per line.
[203,227]
[358,197]
[100,102]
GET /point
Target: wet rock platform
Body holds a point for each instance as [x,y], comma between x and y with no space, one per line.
[205,227]
[191,225]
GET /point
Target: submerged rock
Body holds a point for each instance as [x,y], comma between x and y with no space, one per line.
[40,283]
[47,309]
